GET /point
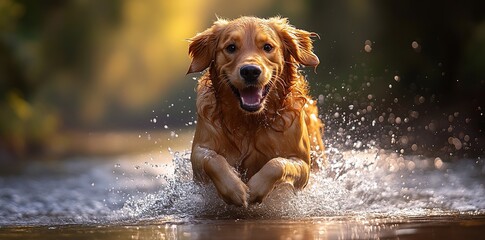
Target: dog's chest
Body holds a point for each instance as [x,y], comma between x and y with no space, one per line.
[249,152]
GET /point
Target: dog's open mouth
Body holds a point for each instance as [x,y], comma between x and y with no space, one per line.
[251,98]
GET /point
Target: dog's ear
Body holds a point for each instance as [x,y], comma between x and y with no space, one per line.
[202,47]
[296,41]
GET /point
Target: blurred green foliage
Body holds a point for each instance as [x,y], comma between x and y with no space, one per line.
[40,41]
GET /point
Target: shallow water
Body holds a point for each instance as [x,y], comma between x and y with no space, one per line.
[468,227]
[369,193]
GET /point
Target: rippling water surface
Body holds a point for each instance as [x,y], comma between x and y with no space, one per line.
[148,188]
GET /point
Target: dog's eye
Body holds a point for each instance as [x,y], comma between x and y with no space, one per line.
[267,47]
[231,48]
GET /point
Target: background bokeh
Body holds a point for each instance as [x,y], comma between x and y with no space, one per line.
[403,75]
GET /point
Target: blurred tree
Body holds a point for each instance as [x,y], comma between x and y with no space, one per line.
[39,41]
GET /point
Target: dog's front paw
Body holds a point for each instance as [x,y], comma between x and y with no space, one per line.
[259,187]
[233,191]
[264,181]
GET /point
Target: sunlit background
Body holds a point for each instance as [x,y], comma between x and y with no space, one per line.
[403,75]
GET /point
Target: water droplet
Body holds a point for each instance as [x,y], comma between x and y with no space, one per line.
[320,99]
[451,118]
[414,147]
[414,114]
[414,44]
[456,143]
[173,134]
[438,163]
[411,165]
[421,99]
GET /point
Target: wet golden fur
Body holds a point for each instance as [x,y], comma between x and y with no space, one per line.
[247,154]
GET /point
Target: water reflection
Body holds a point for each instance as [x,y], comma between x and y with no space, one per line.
[323,228]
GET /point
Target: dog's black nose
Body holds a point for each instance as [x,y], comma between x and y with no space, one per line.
[250,73]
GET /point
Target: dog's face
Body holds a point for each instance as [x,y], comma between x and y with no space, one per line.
[249,55]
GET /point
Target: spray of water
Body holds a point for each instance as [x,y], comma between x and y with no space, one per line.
[356,183]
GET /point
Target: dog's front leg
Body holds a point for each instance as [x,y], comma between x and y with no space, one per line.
[207,163]
[278,170]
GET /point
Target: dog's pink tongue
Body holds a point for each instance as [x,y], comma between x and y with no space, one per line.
[251,95]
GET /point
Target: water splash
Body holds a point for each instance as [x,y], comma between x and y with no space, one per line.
[356,183]
[364,183]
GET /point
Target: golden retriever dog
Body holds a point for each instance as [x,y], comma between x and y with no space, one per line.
[256,123]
